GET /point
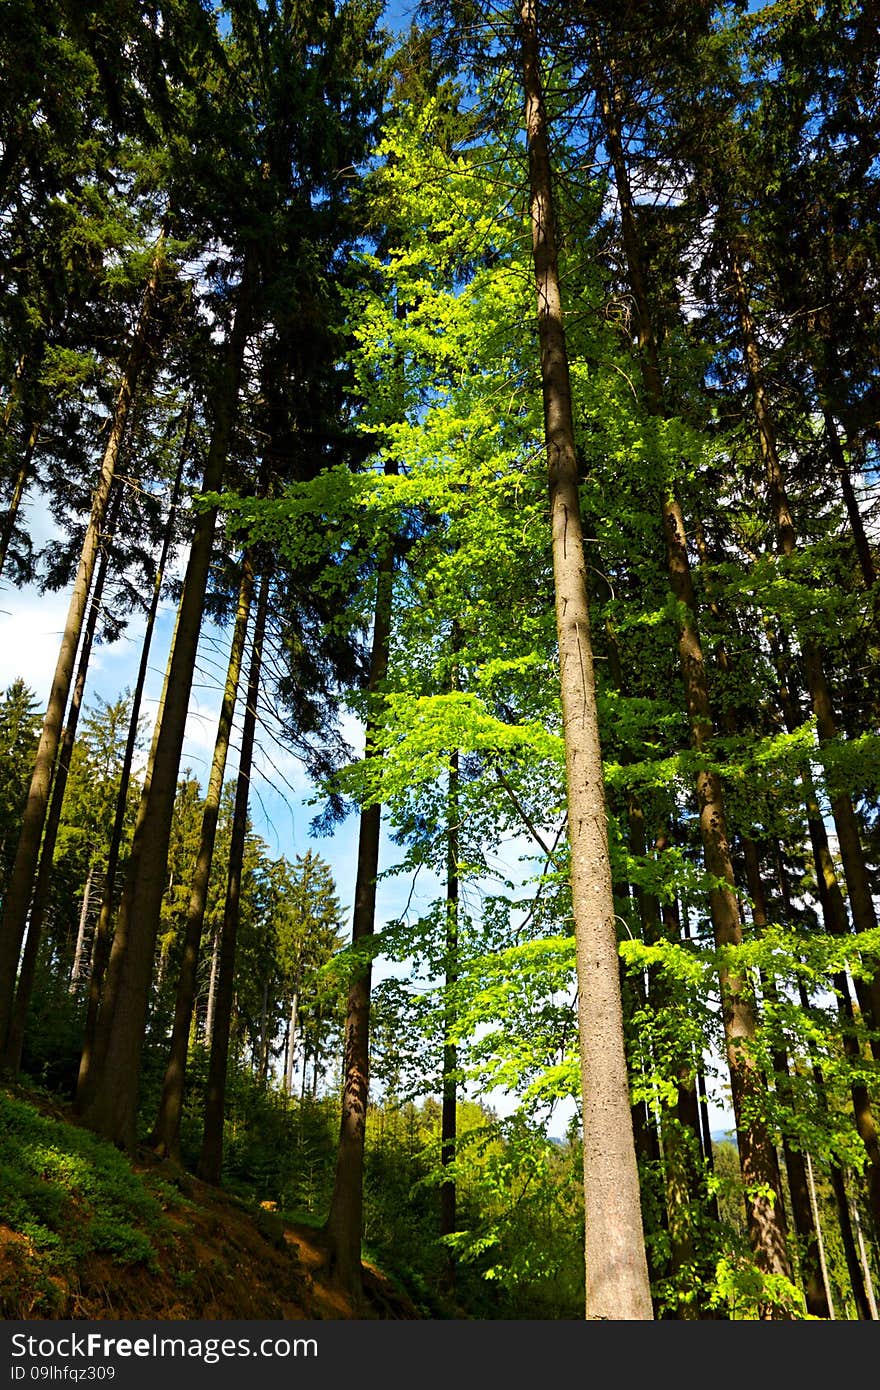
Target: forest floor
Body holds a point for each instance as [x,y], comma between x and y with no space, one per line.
[84,1233]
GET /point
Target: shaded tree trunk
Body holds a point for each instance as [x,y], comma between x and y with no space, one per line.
[449,1089]
[7,530]
[845,822]
[112,1108]
[211,1157]
[101,940]
[344,1226]
[166,1134]
[811,1271]
[39,903]
[80,952]
[766,1222]
[21,880]
[838,1185]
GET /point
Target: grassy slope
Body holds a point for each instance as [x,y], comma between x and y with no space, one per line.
[86,1234]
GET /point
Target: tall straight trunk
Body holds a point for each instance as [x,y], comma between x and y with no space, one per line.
[836,924]
[760,1168]
[846,824]
[856,524]
[166,1134]
[111,1111]
[820,1241]
[210,1004]
[21,880]
[263,1056]
[448,1112]
[290,1052]
[344,1226]
[838,1186]
[810,1262]
[80,952]
[617,1282]
[101,939]
[211,1156]
[39,902]
[7,530]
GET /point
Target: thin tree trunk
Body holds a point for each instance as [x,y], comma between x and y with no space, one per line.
[811,1273]
[856,524]
[112,1108]
[820,1243]
[846,824]
[863,1255]
[617,1282]
[210,1007]
[166,1134]
[101,941]
[80,953]
[27,972]
[448,1113]
[21,880]
[344,1225]
[211,1157]
[14,392]
[21,478]
[291,1045]
[838,1186]
[760,1168]
[836,924]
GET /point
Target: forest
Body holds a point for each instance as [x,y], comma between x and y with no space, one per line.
[471,412]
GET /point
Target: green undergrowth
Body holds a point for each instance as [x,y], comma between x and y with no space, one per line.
[73,1195]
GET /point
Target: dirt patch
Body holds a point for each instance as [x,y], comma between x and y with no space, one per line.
[215,1257]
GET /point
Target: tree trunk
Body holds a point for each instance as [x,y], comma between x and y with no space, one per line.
[290,1060]
[838,1184]
[112,1109]
[810,1263]
[617,1283]
[343,1228]
[836,924]
[210,1006]
[101,940]
[766,1221]
[846,824]
[211,1157]
[820,1243]
[21,880]
[166,1134]
[856,525]
[27,972]
[448,1113]
[80,953]
[24,469]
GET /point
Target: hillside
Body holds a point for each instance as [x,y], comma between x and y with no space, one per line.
[86,1234]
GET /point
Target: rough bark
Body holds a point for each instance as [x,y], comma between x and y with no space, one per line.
[166,1133]
[211,1157]
[617,1282]
[21,880]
